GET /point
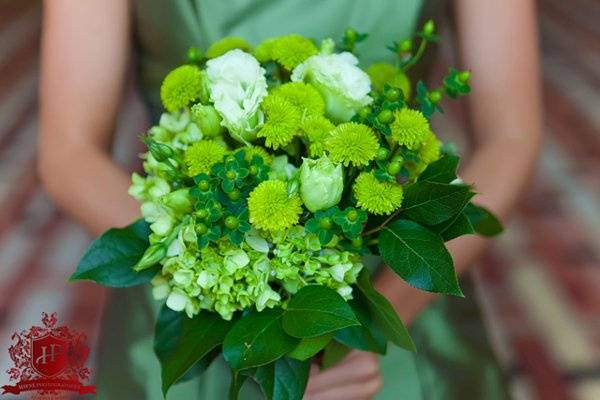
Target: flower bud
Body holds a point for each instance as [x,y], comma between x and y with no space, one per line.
[429,28]
[321,183]
[152,256]
[208,120]
[178,201]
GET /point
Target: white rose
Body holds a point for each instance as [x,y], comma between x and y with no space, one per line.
[344,86]
[237,86]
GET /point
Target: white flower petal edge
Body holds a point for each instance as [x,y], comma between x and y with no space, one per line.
[344,86]
[237,86]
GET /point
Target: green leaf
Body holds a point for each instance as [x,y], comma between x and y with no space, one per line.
[441,171]
[316,310]
[237,381]
[181,342]
[419,257]
[483,221]
[110,258]
[308,347]
[257,339]
[456,226]
[367,336]
[383,313]
[334,352]
[285,379]
[432,203]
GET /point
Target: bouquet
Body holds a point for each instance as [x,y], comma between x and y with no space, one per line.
[272,174]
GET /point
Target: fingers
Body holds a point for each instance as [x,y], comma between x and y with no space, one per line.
[357,391]
[357,376]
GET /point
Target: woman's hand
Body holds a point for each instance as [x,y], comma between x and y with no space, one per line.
[356,377]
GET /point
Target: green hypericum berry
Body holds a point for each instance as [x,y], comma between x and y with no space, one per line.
[201,229]
[382,154]
[231,222]
[234,195]
[393,168]
[397,159]
[351,35]
[429,28]
[231,175]
[325,223]
[352,215]
[253,170]
[392,94]
[204,185]
[357,243]
[406,46]
[385,117]
[194,55]
[364,112]
[464,76]
[202,214]
[435,96]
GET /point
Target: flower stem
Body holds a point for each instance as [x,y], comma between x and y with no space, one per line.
[383,224]
[416,57]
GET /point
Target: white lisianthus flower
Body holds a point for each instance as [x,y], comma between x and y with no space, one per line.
[344,86]
[237,86]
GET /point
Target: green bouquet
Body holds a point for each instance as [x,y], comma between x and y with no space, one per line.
[273,172]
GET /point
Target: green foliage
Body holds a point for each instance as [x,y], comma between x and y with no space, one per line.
[110,259]
[316,310]
[181,342]
[257,339]
[366,336]
[432,203]
[333,353]
[308,347]
[382,313]
[284,379]
[419,257]
[483,221]
[456,83]
[442,170]
[456,226]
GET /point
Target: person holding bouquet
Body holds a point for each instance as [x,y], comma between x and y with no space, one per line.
[86,51]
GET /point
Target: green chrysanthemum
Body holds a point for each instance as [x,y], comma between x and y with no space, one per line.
[271,208]
[224,45]
[282,121]
[352,143]
[430,150]
[410,128]
[377,197]
[303,96]
[180,87]
[289,50]
[201,156]
[382,74]
[316,129]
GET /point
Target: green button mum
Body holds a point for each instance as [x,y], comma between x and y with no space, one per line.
[377,197]
[181,87]
[410,128]
[201,156]
[271,208]
[352,143]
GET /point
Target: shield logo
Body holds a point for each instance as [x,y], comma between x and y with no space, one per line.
[49,355]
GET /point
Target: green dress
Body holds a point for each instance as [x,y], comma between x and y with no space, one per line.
[454,359]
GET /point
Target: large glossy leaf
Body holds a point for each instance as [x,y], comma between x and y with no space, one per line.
[285,379]
[316,310]
[333,353]
[257,339]
[383,314]
[367,336]
[483,221]
[181,342]
[442,170]
[308,347]
[419,257]
[432,203]
[110,258]
[456,226]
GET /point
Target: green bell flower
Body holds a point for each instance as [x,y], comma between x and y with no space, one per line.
[321,183]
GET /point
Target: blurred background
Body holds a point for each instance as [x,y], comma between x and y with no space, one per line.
[539,284]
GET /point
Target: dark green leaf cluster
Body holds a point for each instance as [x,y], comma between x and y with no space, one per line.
[346,223]
[274,347]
